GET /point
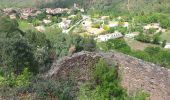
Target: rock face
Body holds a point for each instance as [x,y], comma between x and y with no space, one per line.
[77,66]
[136,74]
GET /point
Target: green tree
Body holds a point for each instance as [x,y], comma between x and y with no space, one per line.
[156,39]
[143,38]
[118,44]
[164,43]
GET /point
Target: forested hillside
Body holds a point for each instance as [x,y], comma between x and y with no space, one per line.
[101,5]
[22,3]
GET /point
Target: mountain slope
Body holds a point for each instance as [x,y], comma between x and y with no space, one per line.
[117,5]
[22,3]
[103,5]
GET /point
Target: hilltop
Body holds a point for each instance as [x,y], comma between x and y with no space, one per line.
[135,74]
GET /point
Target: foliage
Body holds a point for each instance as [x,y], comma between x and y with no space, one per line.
[96,25]
[152,54]
[12,80]
[106,86]
[56,19]
[89,44]
[151,31]
[50,89]
[111,30]
[63,42]
[143,38]
[164,43]
[156,39]
[21,49]
[76,19]
[35,22]
[155,55]
[106,28]
[163,19]
[41,16]
[140,95]
[123,30]
[7,25]
[118,44]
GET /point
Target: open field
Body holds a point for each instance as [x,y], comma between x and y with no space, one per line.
[136,45]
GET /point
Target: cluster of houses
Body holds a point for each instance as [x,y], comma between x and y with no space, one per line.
[25,13]
[87,22]
[64,24]
[104,38]
[155,26]
[55,11]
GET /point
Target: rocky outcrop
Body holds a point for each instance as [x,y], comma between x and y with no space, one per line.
[140,75]
[77,66]
[136,74]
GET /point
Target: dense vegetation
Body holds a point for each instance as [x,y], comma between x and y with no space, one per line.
[152,54]
[24,54]
[106,85]
[103,6]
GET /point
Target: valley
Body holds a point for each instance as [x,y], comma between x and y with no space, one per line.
[84,50]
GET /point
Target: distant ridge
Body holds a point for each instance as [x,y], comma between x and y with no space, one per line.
[116,5]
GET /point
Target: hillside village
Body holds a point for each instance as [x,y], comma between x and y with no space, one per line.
[102,27]
[85,50]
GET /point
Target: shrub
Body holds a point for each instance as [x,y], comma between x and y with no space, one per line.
[152,50]
[96,25]
[50,89]
[118,44]
[156,39]
[111,30]
[140,95]
[151,31]
[41,16]
[23,80]
[56,19]
[106,86]
[89,44]
[164,43]
[106,28]
[76,19]
[13,80]
[143,38]
[123,30]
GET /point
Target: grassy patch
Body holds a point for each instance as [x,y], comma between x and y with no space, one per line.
[137,45]
[24,25]
[166,36]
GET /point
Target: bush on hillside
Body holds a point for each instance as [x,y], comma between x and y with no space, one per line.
[118,44]
[106,84]
[50,89]
[143,38]
[122,30]
[96,25]
[111,30]
[156,39]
